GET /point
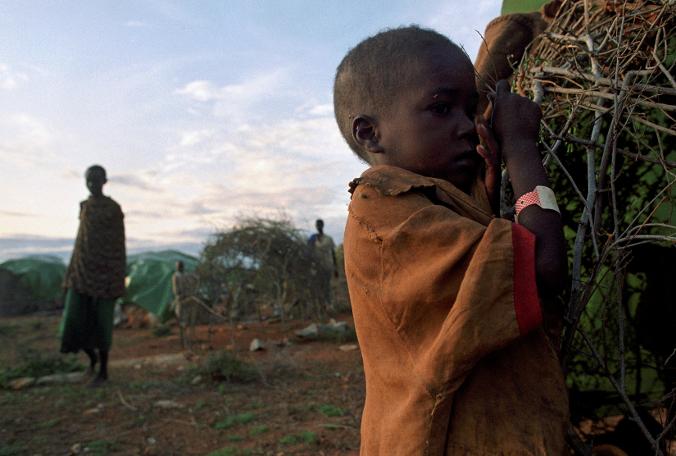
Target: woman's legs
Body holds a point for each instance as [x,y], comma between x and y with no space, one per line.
[93,359]
[103,369]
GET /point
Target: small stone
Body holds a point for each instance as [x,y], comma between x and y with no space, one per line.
[348,347]
[256,345]
[168,404]
[76,448]
[21,383]
[137,366]
[196,380]
[93,411]
[58,379]
[309,332]
[339,326]
[241,327]
[151,440]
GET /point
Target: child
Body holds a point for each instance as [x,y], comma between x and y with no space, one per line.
[95,276]
[444,293]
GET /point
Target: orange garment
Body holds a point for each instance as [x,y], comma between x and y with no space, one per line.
[447,316]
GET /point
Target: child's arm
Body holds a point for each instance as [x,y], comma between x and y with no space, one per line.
[516,123]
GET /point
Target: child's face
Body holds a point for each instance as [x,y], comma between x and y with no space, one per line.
[430,129]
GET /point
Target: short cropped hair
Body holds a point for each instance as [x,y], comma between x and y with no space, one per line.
[98,169]
[370,75]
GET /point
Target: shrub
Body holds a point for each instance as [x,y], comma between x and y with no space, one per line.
[224,366]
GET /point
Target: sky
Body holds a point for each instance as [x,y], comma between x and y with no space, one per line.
[202,112]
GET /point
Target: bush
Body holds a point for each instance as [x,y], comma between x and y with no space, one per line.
[263,261]
[224,366]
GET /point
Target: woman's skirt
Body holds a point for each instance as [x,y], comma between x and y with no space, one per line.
[87,323]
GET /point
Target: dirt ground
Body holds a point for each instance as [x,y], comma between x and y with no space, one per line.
[305,399]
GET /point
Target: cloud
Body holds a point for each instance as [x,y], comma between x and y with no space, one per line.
[298,165]
[322,110]
[134,181]
[194,137]
[10,79]
[135,24]
[235,101]
[26,140]
[136,213]
[463,22]
[16,214]
[199,208]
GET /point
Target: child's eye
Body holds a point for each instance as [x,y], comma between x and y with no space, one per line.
[440,109]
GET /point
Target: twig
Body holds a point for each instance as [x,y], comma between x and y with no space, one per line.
[540,70]
[662,68]
[187,423]
[124,402]
[645,237]
[607,96]
[624,396]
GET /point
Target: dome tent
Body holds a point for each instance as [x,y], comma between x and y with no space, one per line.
[149,279]
[31,283]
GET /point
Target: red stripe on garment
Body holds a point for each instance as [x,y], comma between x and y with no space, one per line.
[526,301]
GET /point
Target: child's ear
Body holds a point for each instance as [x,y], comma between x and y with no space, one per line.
[365,133]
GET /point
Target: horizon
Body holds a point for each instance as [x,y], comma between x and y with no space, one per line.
[201,112]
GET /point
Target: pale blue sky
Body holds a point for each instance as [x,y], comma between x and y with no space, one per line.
[201,111]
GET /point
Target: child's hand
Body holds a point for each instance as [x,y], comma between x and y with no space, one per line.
[490,152]
[516,120]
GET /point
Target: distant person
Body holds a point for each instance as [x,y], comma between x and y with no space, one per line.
[95,277]
[325,250]
[183,286]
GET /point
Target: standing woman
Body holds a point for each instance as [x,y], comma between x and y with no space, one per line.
[95,277]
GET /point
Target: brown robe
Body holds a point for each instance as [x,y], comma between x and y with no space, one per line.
[98,265]
[448,320]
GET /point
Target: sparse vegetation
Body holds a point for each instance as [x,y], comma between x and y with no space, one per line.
[161,330]
[11,450]
[223,366]
[330,410]
[35,363]
[228,417]
[7,331]
[234,420]
[100,447]
[301,437]
[227,451]
[258,430]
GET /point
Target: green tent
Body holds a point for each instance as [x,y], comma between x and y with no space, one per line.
[149,279]
[42,275]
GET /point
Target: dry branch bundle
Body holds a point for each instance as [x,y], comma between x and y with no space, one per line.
[603,74]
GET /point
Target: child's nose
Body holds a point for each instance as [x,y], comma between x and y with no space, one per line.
[465,126]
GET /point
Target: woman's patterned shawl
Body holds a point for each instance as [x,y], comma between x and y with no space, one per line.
[97,266]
